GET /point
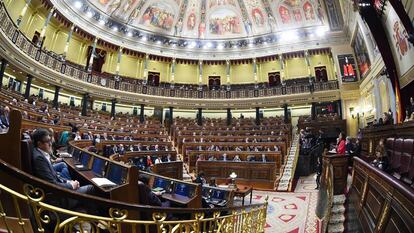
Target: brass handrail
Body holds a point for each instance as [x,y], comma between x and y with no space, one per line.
[64,220]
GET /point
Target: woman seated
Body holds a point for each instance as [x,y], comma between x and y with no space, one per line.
[340,146]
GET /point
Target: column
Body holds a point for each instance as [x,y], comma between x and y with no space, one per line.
[85,104]
[229,116]
[200,72]
[141,113]
[257,116]
[95,42]
[286,113]
[282,74]
[43,32]
[339,105]
[174,62]
[118,61]
[22,13]
[255,70]
[56,97]
[3,66]
[311,87]
[228,72]
[200,116]
[91,103]
[146,68]
[113,105]
[313,111]
[28,86]
[65,50]
[171,120]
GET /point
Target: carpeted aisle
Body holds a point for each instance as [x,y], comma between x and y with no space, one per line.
[291,212]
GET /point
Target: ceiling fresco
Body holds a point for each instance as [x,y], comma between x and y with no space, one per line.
[214,19]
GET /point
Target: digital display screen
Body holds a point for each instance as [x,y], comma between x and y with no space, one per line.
[218,194]
[160,183]
[85,159]
[116,173]
[98,166]
[76,154]
[183,190]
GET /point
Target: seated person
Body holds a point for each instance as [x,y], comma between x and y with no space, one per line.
[349,147]
[168,159]
[340,146]
[146,195]
[251,158]
[42,165]
[200,178]
[158,160]
[212,183]
[224,157]
[381,156]
[264,158]
[236,159]
[212,158]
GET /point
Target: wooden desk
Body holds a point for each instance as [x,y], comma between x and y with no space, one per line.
[190,202]
[271,156]
[282,145]
[242,191]
[126,192]
[256,174]
[172,169]
[182,200]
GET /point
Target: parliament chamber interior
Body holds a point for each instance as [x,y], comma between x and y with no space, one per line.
[283,116]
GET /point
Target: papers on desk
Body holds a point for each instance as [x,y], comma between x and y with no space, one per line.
[103,182]
[64,155]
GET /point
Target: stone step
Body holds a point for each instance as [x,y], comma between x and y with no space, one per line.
[339,199]
[336,228]
[338,209]
[337,218]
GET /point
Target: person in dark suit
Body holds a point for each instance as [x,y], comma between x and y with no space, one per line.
[4,117]
[43,168]
[146,195]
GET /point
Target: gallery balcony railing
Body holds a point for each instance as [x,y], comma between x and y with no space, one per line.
[126,84]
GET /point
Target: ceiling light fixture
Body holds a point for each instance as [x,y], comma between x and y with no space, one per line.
[78,4]
[89,14]
[289,36]
[193,44]
[321,31]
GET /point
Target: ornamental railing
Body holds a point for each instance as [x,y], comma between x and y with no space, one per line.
[58,64]
[31,203]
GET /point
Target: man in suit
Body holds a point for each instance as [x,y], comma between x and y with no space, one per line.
[4,117]
[43,168]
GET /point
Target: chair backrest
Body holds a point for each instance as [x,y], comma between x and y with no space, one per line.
[406,155]
[389,145]
[26,154]
[396,157]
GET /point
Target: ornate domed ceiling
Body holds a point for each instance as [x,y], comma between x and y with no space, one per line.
[216,29]
[214,19]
